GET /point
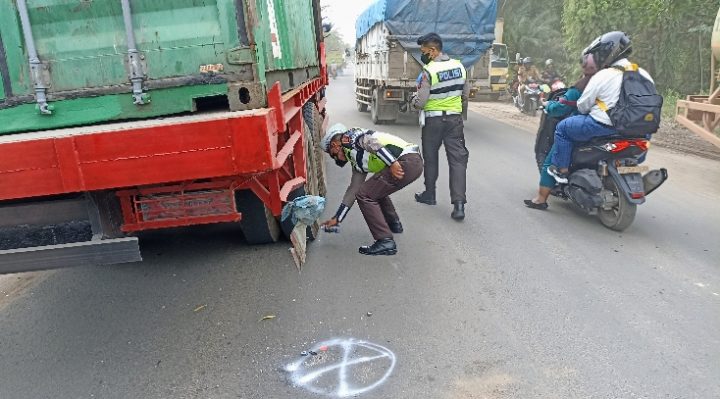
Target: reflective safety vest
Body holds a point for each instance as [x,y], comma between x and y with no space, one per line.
[366,162]
[447,80]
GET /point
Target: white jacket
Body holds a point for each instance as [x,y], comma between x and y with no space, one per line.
[604,86]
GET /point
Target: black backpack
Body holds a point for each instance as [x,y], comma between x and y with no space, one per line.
[638,109]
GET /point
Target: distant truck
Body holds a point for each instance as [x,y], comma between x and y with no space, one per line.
[490,81]
[387,58]
[123,116]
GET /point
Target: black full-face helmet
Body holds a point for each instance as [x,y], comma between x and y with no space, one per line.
[609,48]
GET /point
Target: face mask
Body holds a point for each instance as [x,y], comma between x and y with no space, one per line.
[425,58]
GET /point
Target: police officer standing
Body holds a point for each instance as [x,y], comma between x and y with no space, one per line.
[394,164]
[443,93]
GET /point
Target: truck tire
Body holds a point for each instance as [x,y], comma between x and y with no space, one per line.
[315,164]
[374,104]
[258,224]
[287,225]
[314,154]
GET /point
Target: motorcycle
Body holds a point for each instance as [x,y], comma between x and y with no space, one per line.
[530,99]
[605,179]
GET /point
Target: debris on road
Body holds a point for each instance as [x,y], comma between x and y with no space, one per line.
[199,308]
[268,317]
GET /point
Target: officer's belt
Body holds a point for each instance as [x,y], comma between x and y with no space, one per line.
[412,149]
[430,114]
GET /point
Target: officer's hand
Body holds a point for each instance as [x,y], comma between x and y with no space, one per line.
[397,170]
[330,223]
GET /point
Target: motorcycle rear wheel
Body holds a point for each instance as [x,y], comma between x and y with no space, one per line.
[622,214]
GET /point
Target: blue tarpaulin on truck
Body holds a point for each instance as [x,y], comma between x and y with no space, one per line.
[466,27]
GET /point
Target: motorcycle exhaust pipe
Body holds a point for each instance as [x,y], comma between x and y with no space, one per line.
[654,179]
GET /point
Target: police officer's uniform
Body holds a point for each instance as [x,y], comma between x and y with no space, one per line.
[373,152]
[442,92]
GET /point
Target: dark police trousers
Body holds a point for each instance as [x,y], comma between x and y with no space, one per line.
[373,198]
[445,130]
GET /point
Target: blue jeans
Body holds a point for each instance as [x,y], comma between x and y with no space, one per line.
[576,129]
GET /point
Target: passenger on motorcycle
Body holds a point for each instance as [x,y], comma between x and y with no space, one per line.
[603,91]
[563,107]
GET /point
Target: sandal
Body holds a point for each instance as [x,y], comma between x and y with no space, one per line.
[530,204]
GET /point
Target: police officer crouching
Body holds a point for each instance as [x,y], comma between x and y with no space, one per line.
[394,163]
[442,94]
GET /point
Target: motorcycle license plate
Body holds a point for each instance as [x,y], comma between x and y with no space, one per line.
[623,170]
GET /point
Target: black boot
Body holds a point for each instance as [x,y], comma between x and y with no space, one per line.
[384,246]
[395,226]
[458,212]
[426,197]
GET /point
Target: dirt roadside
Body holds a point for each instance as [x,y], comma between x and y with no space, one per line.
[671,136]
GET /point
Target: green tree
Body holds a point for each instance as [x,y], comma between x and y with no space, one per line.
[665,34]
[534,29]
[335,47]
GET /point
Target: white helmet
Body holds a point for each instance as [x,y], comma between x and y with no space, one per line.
[548,62]
[334,130]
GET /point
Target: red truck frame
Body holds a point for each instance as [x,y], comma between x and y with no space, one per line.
[176,171]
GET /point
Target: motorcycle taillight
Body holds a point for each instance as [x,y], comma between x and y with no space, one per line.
[620,145]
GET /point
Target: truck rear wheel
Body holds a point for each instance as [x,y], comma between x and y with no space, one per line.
[287,225]
[314,155]
[374,105]
[258,224]
[315,164]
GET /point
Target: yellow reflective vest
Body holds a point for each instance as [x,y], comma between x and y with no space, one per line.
[447,80]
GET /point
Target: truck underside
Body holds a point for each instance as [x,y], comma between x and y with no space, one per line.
[77,196]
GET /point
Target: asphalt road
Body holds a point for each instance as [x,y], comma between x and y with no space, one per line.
[511,303]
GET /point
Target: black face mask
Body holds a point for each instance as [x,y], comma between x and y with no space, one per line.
[340,163]
[425,58]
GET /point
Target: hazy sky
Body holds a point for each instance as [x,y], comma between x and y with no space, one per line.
[342,13]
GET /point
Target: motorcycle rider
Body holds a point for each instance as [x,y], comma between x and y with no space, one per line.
[561,108]
[610,53]
[549,73]
[529,71]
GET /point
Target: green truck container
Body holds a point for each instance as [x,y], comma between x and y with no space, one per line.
[79,62]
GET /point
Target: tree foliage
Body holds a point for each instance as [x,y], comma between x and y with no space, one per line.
[671,38]
[335,47]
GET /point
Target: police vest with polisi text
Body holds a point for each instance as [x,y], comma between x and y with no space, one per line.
[447,80]
[366,162]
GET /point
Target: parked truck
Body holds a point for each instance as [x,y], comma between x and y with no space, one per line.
[497,79]
[387,58]
[121,116]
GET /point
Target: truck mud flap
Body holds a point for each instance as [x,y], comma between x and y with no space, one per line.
[85,253]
